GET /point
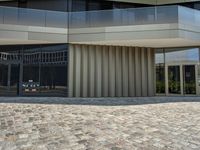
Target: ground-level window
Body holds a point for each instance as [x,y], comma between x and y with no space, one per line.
[34,70]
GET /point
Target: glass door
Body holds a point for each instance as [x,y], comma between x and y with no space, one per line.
[174,80]
[189,79]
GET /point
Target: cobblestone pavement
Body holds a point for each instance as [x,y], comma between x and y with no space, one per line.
[161,126]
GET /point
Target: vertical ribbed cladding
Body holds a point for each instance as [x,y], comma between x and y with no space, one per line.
[98,73]
[138,79]
[144,71]
[131,80]
[85,68]
[118,71]
[105,71]
[125,71]
[151,78]
[71,71]
[91,71]
[111,71]
[77,73]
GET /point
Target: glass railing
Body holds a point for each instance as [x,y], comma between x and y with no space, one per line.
[189,16]
[85,19]
[33,17]
[121,17]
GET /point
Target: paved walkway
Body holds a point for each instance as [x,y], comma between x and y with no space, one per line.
[106,126]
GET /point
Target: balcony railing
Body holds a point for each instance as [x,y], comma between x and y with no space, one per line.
[33,17]
[86,19]
[189,16]
[121,17]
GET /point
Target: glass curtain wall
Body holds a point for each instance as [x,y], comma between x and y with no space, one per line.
[160,71]
[174,82]
[177,71]
[9,72]
[34,70]
[45,71]
[189,79]
[183,61]
[74,5]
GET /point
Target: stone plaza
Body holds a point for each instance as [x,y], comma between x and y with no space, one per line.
[100,124]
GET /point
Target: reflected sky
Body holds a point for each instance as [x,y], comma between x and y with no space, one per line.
[175,55]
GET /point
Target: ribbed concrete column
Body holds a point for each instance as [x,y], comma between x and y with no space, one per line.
[84,71]
[138,72]
[71,71]
[118,71]
[91,71]
[77,71]
[102,71]
[98,67]
[125,71]
[131,72]
[111,71]
[144,72]
[105,71]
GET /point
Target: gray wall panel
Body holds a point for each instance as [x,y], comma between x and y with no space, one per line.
[111,71]
[118,71]
[125,71]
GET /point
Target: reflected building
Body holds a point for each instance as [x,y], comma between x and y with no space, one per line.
[177,71]
[99,48]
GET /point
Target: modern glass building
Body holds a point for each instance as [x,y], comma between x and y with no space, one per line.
[99,48]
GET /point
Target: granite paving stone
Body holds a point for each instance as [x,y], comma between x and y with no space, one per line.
[168,125]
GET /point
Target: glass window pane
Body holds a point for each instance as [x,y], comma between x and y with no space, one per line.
[160,71]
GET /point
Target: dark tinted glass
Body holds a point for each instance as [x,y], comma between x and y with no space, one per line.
[71,5]
[34,70]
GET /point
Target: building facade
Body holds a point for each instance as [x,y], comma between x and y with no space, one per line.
[99,48]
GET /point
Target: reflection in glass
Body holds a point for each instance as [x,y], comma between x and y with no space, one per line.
[54,79]
[9,79]
[45,71]
[34,70]
[189,79]
[182,55]
[174,79]
[3,78]
[14,79]
[160,72]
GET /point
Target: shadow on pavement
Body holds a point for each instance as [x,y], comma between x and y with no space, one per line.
[98,101]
